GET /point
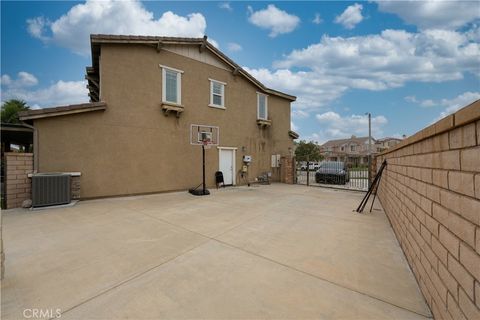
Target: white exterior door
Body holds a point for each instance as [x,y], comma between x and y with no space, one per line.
[227,165]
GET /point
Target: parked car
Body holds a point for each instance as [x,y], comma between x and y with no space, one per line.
[333,172]
[312,166]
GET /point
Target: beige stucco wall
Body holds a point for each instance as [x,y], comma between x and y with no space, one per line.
[133,148]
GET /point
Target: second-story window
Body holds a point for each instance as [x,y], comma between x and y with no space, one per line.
[262,106]
[217,94]
[171,85]
[352,147]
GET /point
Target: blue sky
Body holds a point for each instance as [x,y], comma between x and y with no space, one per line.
[408,63]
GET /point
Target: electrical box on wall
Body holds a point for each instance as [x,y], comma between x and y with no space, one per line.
[247,159]
[275,160]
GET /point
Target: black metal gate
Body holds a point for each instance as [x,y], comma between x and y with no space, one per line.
[334,174]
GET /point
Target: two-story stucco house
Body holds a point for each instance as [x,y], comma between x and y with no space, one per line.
[134,136]
[353,151]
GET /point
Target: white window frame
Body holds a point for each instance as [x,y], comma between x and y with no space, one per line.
[213,105]
[164,84]
[258,106]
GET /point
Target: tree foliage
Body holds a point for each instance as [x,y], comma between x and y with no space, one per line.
[11,108]
[307,151]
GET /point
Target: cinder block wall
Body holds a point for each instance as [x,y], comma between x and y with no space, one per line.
[287,166]
[430,191]
[2,254]
[18,185]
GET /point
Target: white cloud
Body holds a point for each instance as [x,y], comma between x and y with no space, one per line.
[427,103]
[312,90]
[423,103]
[24,79]
[36,27]
[214,43]
[226,6]
[299,114]
[450,105]
[317,19]
[274,19]
[59,93]
[458,102]
[335,126]
[73,29]
[322,72]
[293,126]
[433,14]
[351,16]
[233,47]
[411,99]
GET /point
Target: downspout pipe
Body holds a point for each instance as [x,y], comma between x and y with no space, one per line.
[35,146]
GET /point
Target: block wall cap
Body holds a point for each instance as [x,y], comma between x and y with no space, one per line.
[72,174]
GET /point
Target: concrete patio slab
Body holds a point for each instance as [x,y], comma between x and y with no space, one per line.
[59,257]
[274,251]
[359,252]
[216,281]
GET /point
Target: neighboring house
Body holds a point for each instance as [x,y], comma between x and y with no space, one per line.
[353,151]
[385,143]
[146,93]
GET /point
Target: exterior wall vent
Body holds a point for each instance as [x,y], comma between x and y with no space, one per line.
[49,189]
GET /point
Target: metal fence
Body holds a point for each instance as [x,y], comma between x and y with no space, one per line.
[333,174]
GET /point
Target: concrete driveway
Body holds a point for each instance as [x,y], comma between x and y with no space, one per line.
[278,251]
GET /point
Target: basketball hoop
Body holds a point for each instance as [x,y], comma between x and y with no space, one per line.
[205,136]
[207,144]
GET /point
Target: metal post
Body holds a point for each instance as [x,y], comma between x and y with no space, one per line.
[369,146]
[203,161]
[308,171]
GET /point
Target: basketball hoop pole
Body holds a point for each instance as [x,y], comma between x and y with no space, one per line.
[203,169]
[205,136]
[203,191]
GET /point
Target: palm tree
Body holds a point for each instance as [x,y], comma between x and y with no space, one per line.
[11,108]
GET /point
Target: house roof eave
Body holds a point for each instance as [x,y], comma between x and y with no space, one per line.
[62,110]
[97,40]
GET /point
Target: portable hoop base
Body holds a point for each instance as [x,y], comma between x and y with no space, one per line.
[199,192]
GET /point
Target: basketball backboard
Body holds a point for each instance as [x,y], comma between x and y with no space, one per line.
[203,134]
